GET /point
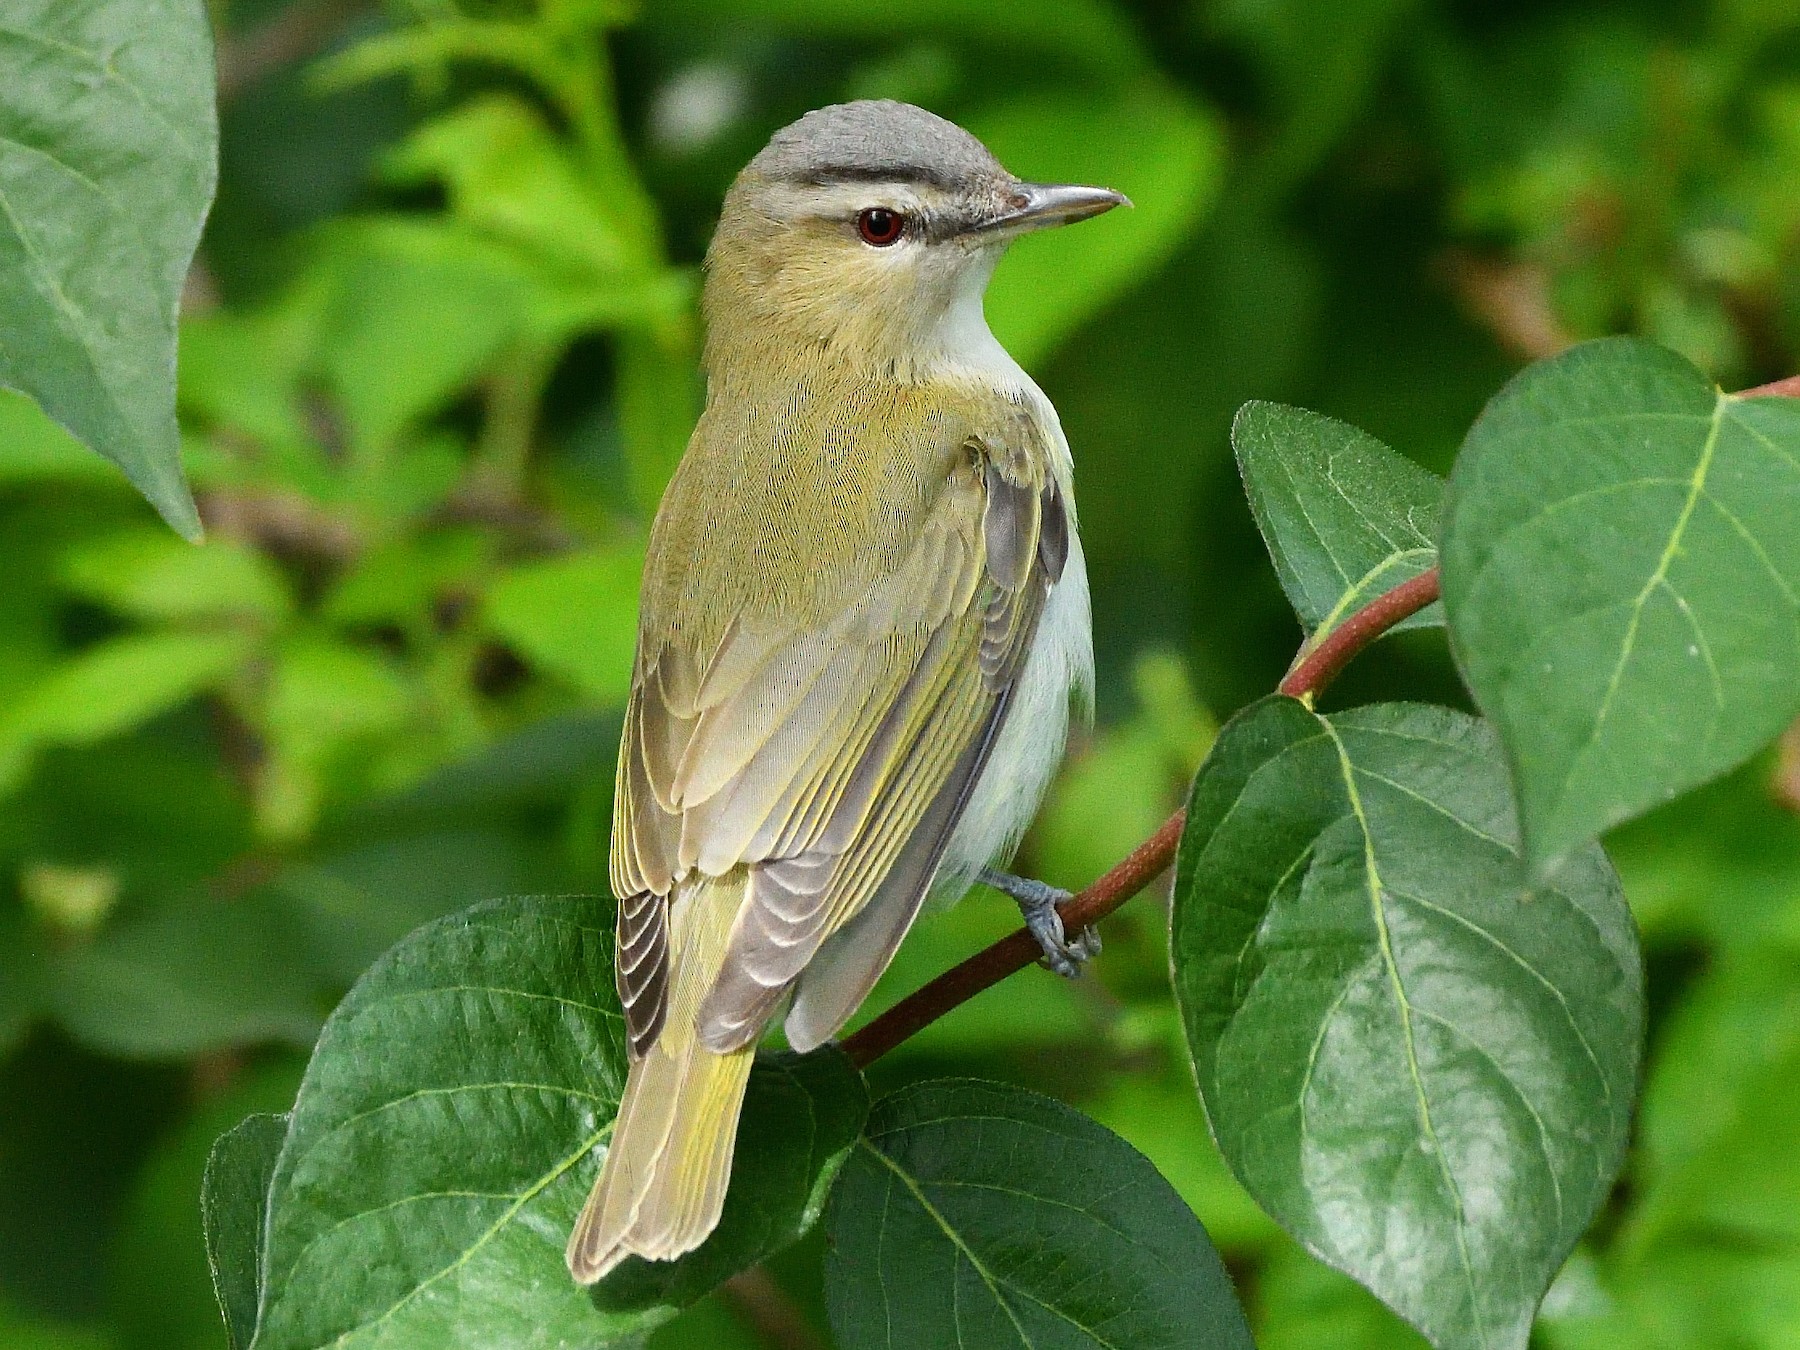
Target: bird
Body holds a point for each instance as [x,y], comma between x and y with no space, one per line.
[864,629]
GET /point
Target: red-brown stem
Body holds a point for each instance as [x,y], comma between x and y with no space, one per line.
[1315,668]
[1311,672]
[1788,388]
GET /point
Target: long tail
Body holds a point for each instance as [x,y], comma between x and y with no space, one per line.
[662,1185]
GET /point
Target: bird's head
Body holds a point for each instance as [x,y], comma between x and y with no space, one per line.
[870,228]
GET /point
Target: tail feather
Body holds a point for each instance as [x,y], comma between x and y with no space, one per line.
[662,1184]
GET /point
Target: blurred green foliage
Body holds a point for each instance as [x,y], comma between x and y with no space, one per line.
[439,357]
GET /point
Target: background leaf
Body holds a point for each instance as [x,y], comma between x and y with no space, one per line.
[1418,1063]
[1152,143]
[1622,576]
[108,150]
[1345,518]
[974,1214]
[198,976]
[112,687]
[575,616]
[233,1207]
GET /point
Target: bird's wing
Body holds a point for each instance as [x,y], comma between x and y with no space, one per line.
[832,763]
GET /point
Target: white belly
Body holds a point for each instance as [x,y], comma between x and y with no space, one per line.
[1058,671]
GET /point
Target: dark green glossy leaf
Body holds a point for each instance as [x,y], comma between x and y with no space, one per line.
[233,1205]
[451,1123]
[442,1140]
[978,1215]
[108,143]
[1622,577]
[1420,1063]
[1345,518]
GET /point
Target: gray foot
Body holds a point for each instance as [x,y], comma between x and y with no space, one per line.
[1037,901]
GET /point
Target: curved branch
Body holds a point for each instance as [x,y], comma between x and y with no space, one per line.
[1318,666]
[1311,672]
[1788,388]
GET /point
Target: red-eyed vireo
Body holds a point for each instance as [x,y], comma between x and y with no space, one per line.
[864,616]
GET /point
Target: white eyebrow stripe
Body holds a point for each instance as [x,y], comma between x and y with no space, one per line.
[845,199]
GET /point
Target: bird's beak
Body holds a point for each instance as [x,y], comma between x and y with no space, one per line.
[1036,206]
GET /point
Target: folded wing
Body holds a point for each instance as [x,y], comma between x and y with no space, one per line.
[833,764]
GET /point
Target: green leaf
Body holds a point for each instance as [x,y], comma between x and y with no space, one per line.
[196,978]
[1157,1114]
[147,575]
[1303,1305]
[1322,62]
[234,1195]
[1418,1062]
[659,398]
[509,176]
[20,978]
[1091,33]
[574,616]
[1720,1109]
[34,449]
[108,144]
[451,1123]
[417,309]
[1153,143]
[1720,865]
[1622,578]
[19,1333]
[113,687]
[975,1214]
[1345,518]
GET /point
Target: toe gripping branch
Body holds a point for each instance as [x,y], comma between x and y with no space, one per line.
[1038,903]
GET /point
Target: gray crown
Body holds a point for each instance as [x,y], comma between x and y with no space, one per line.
[876,140]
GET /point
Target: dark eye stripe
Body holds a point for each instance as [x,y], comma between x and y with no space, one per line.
[831,175]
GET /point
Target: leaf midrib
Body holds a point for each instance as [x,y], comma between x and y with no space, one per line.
[1658,577]
[992,1281]
[1378,910]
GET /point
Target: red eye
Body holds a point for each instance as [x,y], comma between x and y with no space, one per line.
[880,226]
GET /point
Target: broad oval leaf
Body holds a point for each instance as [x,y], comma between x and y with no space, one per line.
[108,150]
[233,1205]
[1622,577]
[1418,1061]
[451,1123]
[981,1215]
[1345,518]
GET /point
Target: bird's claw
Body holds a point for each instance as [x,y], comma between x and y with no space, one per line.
[1038,903]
